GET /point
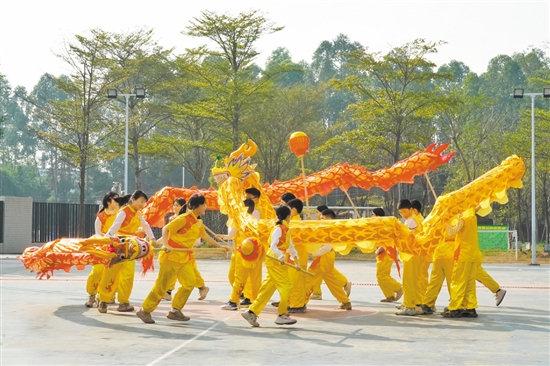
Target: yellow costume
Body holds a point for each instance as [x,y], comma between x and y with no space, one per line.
[323,269]
[298,298]
[411,269]
[183,231]
[442,269]
[463,286]
[388,285]
[104,220]
[277,277]
[120,276]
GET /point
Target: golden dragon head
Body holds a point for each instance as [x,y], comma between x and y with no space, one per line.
[237,164]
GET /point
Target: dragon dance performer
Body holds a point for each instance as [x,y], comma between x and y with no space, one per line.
[180,207]
[248,258]
[277,277]
[323,269]
[463,283]
[103,221]
[391,288]
[181,233]
[298,299]
[424,265]
[411,265]
[127,222]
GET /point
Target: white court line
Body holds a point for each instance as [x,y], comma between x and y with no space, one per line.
[190,340]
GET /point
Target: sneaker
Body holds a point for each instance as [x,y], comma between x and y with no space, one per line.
[176,314]
[229,306]
[427,310]
[203,291]
[499,296]
[246,303]
[91,301]
[167,296]
[388,299]
[316,297]
[398,294]
[400,307]
[251,318]
[406,311]
[452,314]
[125,307]
[285,320]
[418,310]
[275,303]
[102,307]
[469,313]
[347,288]
[145,316]
[345,306]
[298,310]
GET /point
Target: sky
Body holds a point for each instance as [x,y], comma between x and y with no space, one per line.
[32,32]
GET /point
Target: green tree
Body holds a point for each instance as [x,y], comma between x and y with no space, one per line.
[76,127]
[227,75]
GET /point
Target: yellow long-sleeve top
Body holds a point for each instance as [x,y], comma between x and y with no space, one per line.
[127,222]
[468,241]
[182,232]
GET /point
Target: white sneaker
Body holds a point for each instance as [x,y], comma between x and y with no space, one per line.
[91,301]
[406,311]
[167,297]
[316,297]
[418,310]
[347,288]
[285,320]
[499,296]
[203,291]
[229,306]
[251,318]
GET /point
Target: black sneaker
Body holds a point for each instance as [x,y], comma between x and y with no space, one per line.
[246,303]
[427,310]
[297,310]
[452,314]
[469,313]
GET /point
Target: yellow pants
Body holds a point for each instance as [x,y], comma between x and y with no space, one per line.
[231,277]
[92,284]
[486,280]
[339,276]
[387,283]
[423,276]
[246,276]
[277,278]
[317,290]
[119,278]
[463,286]
[442,269]
[325,271]
[199,281]
[411,269]
[297,297]
[186,277]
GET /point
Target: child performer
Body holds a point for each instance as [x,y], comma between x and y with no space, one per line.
[411,266]
[103,221]
[391,289]
[324,270]
[181,233]
[127,222]
[248,268]
[277,277]
[180,207]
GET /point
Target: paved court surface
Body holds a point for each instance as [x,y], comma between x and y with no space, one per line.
[46,323]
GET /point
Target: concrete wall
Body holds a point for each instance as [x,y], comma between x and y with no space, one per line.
[17,224]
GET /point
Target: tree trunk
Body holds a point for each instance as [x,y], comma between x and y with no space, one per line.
[82,208]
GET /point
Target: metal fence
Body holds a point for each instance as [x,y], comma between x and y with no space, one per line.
[1,221]
[60,220]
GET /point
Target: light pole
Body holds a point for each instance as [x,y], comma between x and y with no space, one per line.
[518,93]
[138,93]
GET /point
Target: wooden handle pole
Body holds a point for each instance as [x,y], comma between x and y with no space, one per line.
[305,186]
[291,265]
[352,204]
[430,184]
